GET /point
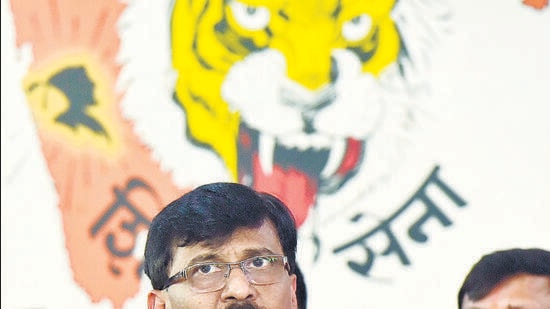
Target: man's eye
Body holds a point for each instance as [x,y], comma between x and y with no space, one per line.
[207,269]
[259,262]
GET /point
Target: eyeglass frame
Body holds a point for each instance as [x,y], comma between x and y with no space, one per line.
[182,274]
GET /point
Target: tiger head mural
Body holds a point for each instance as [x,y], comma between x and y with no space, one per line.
[290,94]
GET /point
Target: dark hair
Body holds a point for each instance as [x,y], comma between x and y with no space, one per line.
[301,290]
[210,214]
[495,267]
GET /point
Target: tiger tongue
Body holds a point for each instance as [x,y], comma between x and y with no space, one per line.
[296,189]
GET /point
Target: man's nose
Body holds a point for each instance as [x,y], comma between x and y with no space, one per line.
[237,285]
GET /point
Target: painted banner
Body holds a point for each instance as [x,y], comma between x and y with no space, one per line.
[408,137]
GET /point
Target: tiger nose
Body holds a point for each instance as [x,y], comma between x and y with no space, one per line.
[309,54]
[312,74]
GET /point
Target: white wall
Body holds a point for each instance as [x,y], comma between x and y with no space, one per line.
[489,94]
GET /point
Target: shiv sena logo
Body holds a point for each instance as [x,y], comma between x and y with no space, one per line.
[298,98]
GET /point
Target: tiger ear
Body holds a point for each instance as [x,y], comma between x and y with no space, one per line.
[155,300]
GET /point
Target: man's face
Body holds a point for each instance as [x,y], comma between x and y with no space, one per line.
[521,291]
[243,244]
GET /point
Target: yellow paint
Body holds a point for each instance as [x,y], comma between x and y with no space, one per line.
[306,32]
[47,102]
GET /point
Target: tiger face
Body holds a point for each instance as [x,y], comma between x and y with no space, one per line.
[287,93]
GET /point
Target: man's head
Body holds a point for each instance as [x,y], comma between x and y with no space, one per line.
[515,278]
[195,244]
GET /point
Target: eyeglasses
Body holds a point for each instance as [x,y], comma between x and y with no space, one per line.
[212,276]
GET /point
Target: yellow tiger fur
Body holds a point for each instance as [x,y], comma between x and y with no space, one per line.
[210,37]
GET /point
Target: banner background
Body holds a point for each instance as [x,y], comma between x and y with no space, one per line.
[486,127]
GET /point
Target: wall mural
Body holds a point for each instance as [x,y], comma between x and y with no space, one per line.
[318,102]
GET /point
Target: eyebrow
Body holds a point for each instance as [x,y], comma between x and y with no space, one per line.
[202,258]
[215,257]
[256,251]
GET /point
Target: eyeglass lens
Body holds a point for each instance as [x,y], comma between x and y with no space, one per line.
[259,270]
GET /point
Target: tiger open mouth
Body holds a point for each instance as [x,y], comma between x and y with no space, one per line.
[295,174]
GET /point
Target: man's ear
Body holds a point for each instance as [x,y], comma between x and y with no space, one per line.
[293,286]
[155,300]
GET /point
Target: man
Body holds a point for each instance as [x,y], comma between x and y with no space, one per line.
[508,279]
[223,245]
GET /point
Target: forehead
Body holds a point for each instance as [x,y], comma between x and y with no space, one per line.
[243,243]
[521,291]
